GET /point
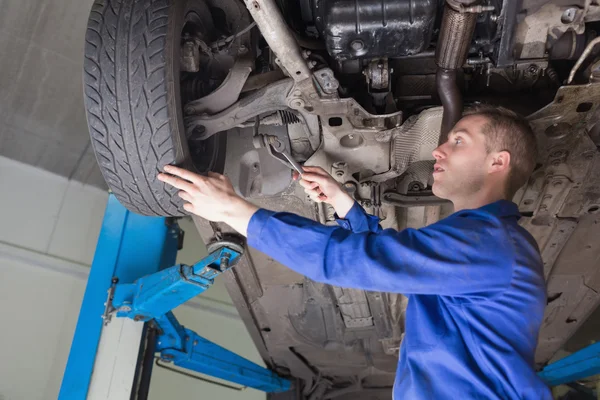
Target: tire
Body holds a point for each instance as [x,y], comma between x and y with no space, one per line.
[132,99]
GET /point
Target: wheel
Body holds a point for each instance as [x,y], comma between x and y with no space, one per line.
[133,97]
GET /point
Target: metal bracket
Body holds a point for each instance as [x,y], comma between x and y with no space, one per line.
[226,94]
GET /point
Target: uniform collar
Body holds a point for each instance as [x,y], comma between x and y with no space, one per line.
[502,208]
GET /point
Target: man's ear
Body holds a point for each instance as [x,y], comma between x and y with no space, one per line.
[500,161]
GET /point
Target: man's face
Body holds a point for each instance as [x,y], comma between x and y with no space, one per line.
[460,168]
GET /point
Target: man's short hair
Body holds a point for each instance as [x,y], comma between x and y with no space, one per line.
[508,131]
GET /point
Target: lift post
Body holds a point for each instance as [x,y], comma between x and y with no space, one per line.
[134,264]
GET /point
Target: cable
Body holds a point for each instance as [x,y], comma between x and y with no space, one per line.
[223,42]
[584,55]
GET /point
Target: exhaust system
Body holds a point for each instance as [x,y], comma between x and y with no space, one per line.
[458,25]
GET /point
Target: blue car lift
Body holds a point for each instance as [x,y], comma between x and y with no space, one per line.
[117,336]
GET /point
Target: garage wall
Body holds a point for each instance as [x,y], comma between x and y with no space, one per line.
[48,235]
[42,118]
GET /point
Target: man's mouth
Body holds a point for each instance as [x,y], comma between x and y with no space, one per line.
[437,169]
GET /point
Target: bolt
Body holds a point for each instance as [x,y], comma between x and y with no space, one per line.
[224,264]
[569,15]
[297,103]
[357,45]
[493,17]
[555,163]
[256,5]
[195,343]
[339,173]
[242,49]
[557,183]
[254,167]
[533,69]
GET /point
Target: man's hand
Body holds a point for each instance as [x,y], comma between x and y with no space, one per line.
[321,187]
[211,197]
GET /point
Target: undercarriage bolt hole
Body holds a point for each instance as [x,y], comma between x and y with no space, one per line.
[335,121]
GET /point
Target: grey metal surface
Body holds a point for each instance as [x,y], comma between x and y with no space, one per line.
[42,119]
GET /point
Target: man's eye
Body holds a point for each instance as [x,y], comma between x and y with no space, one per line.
[458,140]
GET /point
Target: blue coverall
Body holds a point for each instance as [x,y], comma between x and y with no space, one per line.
[475,286]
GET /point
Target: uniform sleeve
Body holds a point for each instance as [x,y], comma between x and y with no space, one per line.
[357,220]
[459,256]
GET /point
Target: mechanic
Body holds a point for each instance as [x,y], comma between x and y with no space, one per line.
[474,280]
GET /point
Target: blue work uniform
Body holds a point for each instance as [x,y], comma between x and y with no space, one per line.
[474,281]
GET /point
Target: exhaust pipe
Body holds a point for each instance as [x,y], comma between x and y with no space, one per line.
[458,25]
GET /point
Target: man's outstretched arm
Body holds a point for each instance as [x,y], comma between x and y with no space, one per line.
[450,259]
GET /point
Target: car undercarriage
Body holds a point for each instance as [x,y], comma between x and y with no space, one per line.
[365,90]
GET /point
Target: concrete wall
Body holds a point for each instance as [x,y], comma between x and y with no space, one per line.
[47,239]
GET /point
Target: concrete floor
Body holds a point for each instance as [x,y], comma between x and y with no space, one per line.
[42,119]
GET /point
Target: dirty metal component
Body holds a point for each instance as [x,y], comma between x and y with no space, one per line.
[190,54]
[402,200]
[227,93]
[507,21]
[539,30]
[268,99]
[559,205]
[327,81]
[281,41]
[378,74]
[584,55]
[375,28]
[574,105]
[281,117]
[354,307]
[414,141]
[455,38]
[284,94]
[569,46]
[478,61]
[259,81]
[450,54]
[451,98]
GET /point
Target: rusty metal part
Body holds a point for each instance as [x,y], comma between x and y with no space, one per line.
[455,38]
[402,200]
[574,105]
[284,94]
[378,74]
[259,81]
[327,82]
[227,93]
[451,53]
[584,56]
[190,54]
[281,41]
[268,99]
[569,46]
[540,29]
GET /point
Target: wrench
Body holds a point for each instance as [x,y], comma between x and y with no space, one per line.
[280,148]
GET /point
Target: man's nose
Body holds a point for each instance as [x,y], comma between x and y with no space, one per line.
[438,153]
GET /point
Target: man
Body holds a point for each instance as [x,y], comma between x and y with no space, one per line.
[474,280]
